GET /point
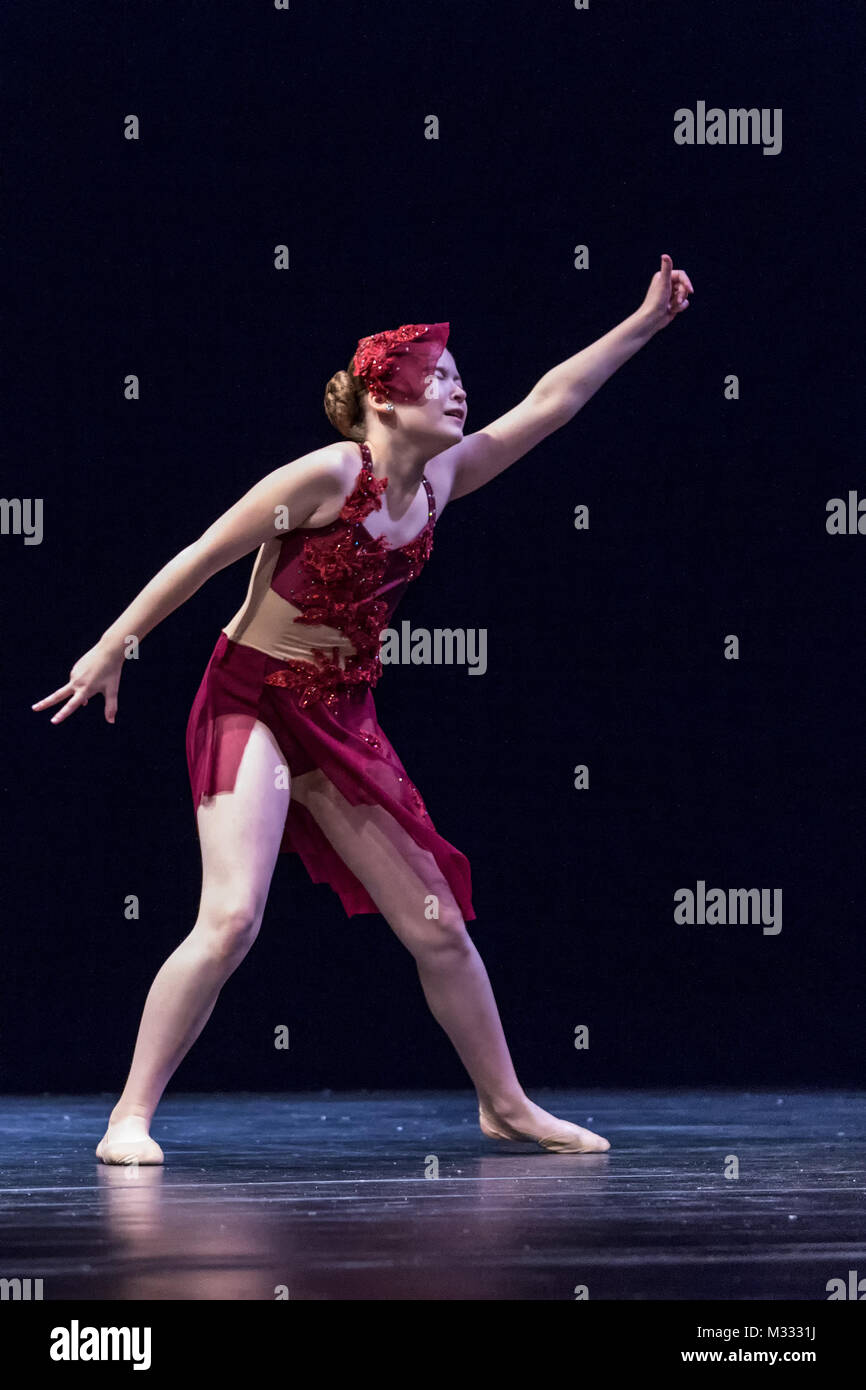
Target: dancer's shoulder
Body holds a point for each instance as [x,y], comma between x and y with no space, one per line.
[319,476]
[335,465]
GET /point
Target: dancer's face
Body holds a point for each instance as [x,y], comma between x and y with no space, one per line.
[438,418]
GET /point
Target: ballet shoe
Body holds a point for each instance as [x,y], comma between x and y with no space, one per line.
[128,1149]
[569,1139]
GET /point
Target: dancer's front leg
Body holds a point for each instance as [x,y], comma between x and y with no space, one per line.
[458,990]
[400,878]
[240,834]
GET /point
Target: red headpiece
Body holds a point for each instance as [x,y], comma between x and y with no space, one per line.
[397,364]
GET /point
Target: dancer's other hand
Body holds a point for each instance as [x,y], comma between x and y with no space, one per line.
[98,671]
[667,295]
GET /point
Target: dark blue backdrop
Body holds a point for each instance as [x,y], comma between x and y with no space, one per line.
[305,127]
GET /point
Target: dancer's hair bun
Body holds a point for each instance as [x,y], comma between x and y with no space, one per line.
[344,405]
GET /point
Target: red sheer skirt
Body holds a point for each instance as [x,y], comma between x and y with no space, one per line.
[343,741]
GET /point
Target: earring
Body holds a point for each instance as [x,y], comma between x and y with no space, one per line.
[390,405]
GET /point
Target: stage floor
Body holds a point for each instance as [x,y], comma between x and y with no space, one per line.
[327,1196]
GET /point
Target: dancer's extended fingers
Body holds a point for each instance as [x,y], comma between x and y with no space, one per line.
[53,699]
[70,707]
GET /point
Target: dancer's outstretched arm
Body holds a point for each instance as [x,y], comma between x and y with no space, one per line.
[562,392]
[286,498]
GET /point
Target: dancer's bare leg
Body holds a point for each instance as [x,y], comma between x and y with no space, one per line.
[399,878]
[240,834]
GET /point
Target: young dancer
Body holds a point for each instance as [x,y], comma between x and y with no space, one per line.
[284,749]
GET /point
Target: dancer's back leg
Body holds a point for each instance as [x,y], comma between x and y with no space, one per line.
[240,834]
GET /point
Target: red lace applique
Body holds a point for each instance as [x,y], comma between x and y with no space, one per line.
[365,497]
[332,561]
[398,363]
[418,551]
[343,575]
[325,681]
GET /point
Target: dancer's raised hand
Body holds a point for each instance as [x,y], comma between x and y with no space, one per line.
[668,293]
[98,671]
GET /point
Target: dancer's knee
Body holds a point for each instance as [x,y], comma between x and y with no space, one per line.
[436,939]
[228,929]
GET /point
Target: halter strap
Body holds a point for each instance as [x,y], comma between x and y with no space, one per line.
[431,500]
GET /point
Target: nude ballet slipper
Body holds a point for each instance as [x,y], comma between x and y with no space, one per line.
[566,1142]
[129,1151]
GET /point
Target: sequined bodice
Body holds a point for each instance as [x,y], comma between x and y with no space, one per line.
[319,599]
